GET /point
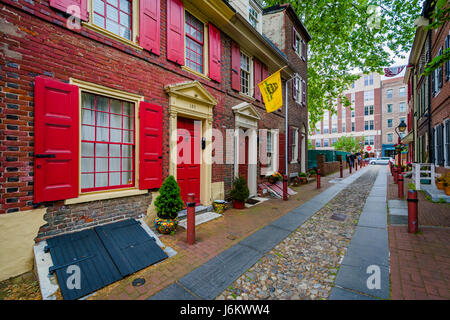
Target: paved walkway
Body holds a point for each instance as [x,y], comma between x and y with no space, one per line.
[210,279]
[212,238]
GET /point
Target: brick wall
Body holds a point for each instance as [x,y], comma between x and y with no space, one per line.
[36,42]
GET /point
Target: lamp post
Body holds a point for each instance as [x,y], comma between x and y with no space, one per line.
[399,130]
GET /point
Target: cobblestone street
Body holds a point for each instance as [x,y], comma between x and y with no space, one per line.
[305,264]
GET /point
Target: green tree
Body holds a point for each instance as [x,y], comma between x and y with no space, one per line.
[350,35]
[348,144]
[169,201]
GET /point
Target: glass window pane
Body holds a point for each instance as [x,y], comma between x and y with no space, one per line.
[102,134]
[112,26]
[99,21]
[128,109]
[101,180]
[101,150]
[87,164]
[114,179]
[102,104]
[101,164]
[127,178]
[116,121]
[87,149]
[125,6]
[128,136]
[87,100]
[112,13]
[87,181]
[114,150]
[116,135]
[87,116]
[126,164]
[99,7]
[114,164]
[125,32]
[127,151]
[88,133]
[113,2]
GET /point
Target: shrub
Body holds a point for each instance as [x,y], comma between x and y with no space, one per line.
[169,201]
[302,174]
[240,191]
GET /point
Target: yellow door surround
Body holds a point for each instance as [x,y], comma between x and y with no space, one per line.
[191,100]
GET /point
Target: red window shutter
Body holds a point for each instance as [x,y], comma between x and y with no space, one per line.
[175,31]
[257,74]
[150,25]
[299,148]
[214,53]
[281,149]
[235,66]
[56,140]
[64,5]
[294,40]
[150,145]
[290,140]
[265,72]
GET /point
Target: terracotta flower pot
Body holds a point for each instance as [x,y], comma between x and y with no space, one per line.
[447,190]
[440,185]
[238,204]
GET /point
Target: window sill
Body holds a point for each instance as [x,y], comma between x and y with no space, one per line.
[195,72]
[247,96]
[105,196]
[112,35]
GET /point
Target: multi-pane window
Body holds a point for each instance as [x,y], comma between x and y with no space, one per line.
[318,128]
[318,143]
[295,145]
[253,16]
[334,127]
[389,123]
[269,150]
[389,94]
[353,126]
[194,30]
[245,74]
[353,97]
[114,16]
[107,143]
[326,142]
[368,110]
[389,108]
[298,44]
[368,80]
[298,87]
[368,140]
[402,92]
[368,125]
[353,113]
[343,126]
[390,137]
[333,141]
[402,107]
[368,95]
[325,128]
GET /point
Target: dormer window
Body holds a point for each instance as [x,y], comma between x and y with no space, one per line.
[253,16]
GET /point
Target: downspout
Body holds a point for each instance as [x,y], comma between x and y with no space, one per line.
[430,93]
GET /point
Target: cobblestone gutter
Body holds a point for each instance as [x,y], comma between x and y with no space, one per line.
[305,264]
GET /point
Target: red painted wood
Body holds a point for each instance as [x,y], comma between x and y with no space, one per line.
[243,165]
[150,145]
[214,53]
[63,5]
[56,133]
[188,158]
[257,75]
[150,25]
[175,31]
[235,66]
[290,140]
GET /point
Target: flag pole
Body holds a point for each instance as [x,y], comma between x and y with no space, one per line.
[286,157]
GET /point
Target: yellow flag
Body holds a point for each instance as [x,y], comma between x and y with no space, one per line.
[271,92]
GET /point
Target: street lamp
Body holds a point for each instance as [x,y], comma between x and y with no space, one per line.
[399,130]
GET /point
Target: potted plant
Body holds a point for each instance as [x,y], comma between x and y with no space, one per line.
[447,184]
[302,177]
[239,193]
[312,173]
[219,206]
[275,177]
[167,205]
[296,181]
[440,182]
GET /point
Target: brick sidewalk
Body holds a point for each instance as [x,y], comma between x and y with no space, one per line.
[420,263]
[211,239]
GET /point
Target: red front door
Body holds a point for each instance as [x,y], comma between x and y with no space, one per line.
[188,158]
[243,165]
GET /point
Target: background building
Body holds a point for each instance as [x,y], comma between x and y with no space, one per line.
[363,119]
[394,111]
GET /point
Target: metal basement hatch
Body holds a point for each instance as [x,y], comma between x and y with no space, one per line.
[104,254]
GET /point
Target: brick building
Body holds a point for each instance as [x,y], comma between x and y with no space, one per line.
[90,109]
[362,120]
[394,111]
[429,96]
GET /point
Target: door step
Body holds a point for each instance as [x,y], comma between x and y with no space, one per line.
[200,218]
[198,210]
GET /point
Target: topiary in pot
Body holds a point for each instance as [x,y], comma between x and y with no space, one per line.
[239,193]
[167,205]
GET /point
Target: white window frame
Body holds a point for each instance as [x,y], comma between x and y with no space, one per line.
[391,136]
[391,92]
[295,141]
[400,94]
[404,107]
[298,44]
[249,72]
[251,16]
[273,153]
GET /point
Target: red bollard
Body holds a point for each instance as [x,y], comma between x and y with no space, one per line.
[356,165]
[413,223]
[350,169]
[285,186]
[341,170]
[190,219]
[395,175]
[400,185]
[318,179]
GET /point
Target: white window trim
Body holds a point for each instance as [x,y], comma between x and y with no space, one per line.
[253,5]
[275,143]
[84,86]
[295,149]
[300,44]
[250,82]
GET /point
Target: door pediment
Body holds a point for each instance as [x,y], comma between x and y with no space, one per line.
[246,110]
[191,90]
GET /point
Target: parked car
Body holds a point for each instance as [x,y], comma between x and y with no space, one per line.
[382,160]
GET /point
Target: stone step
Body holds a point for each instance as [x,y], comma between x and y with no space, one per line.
[198,210]
[200,218]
